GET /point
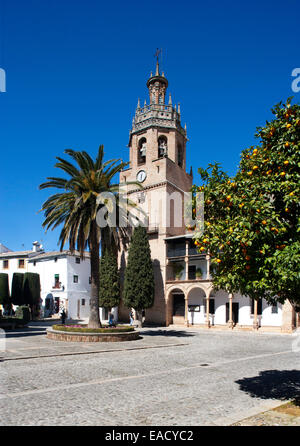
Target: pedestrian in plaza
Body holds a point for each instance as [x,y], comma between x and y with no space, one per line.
[111,320]
[63,316]
[131,317]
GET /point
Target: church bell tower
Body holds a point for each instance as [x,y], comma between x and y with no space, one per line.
[157,154]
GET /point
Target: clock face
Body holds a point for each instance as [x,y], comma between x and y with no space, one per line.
[141,176]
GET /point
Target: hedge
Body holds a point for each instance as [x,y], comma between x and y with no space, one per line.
[121,329]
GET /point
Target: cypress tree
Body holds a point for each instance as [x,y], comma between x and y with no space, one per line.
[32,290]
[17,294]
[139,275]
[4,289]
[109,293]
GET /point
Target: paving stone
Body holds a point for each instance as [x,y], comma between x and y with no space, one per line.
[167,385]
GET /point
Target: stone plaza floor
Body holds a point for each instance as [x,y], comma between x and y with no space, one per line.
[170,377]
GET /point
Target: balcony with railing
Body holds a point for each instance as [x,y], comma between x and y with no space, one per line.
[184,261]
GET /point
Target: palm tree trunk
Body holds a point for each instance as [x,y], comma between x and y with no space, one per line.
[94,319]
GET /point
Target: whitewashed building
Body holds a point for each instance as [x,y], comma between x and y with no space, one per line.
[65,282]
[65,279]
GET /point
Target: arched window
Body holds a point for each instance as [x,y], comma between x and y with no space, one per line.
[160,99]
[142,151]
[179,155]
[162,146]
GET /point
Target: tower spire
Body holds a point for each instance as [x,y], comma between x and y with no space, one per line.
[157,53]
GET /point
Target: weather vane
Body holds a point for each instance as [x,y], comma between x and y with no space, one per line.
[157,53]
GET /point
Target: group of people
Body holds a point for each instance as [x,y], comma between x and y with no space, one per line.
[111,318]
[131,317]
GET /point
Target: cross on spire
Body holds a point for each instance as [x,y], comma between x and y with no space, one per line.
[157,53]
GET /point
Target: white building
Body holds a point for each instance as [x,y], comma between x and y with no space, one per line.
[17,261]
[65,279]
[65,282]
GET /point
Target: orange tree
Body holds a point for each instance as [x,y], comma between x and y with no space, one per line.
[251,220]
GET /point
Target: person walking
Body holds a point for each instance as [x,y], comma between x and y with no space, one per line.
[131,317]
[111,320]
[63,316]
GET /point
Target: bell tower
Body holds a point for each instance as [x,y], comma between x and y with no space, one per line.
[157,141]
[157,154]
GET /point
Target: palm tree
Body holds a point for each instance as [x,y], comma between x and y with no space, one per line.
[76,209]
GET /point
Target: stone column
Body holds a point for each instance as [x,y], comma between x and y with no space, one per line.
[186,259]
[255,320]
[230,321]
[186,314]
[288,317]
[207,266]
[207,322]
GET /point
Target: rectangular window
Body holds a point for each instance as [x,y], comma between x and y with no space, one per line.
[75,279]
[21,263]
[83,302]
[77,260]
[56,281]
[275,309]
[5,264]
[90,280]
[192,272]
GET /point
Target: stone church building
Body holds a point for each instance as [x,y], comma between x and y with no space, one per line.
[183,288]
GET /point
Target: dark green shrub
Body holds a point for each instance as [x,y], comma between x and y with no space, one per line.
[120,329]
[17,292]
[32,289]
[109,292]
[139,275]
[4,290]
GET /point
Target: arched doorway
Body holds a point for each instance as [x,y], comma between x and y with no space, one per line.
[177,306]
[196,306]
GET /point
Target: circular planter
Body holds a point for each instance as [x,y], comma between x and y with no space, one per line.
[69,336]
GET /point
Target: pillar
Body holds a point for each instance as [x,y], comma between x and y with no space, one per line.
[255,320]
[186,259]
[186,312]
[288,317]
[230,321]
[207,322]
[207,266]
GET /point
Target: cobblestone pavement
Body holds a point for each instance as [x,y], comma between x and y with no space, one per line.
[171,376]
[270,418]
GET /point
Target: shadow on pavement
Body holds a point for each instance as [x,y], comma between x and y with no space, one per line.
[172,333]
[35,328]
[273,384]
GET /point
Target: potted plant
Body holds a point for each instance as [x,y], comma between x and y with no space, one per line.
[199,273]
[178,270]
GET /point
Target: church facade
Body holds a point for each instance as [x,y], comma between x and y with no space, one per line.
[184,293]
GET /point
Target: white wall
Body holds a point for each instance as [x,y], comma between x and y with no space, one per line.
[197,297]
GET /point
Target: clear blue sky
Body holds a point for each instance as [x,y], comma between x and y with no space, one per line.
[75,69]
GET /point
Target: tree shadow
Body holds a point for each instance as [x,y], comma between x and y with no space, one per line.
[273,384]
[171,333]
[35,328]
